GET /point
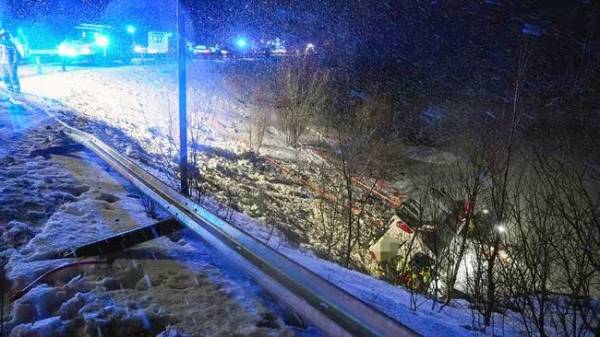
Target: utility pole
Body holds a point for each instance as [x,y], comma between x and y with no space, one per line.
[181,56]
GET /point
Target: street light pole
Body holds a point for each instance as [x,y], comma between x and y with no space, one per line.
[181,56]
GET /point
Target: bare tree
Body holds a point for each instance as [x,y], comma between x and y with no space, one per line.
[328,229]
[574,201]
[259,117]
[302,90]
[500,172]
[357,152]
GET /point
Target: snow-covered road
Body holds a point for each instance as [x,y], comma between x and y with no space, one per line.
[52,200]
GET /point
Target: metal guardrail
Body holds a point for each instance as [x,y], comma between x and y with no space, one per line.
[330,308]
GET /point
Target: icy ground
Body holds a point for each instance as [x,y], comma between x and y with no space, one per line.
[61,199]
[137,103]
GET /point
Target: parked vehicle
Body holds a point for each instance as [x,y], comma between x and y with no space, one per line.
[96,44]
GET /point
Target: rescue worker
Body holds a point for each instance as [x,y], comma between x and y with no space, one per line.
[9,61]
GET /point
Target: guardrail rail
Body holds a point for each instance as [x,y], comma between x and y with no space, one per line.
[327,306]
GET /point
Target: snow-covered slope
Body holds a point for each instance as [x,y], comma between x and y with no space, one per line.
[58,199]
[141,105]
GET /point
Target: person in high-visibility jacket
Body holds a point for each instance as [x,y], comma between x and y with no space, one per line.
[9,61]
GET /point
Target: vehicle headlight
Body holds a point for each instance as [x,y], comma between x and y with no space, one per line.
[67,51]
[86,50]
[102,40]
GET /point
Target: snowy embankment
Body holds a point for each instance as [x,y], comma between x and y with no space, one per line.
[140,102]
[54,195]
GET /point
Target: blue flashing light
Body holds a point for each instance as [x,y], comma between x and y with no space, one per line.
[131,29]
[241,42]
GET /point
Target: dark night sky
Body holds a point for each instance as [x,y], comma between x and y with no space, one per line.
[214,20]
[212,17]
[352,24]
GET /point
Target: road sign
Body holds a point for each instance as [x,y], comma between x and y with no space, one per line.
[158,42]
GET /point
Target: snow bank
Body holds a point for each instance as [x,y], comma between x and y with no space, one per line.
[160,288]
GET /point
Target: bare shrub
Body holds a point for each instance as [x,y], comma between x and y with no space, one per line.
[203,106]
[302,88]
[571,200]
[259,118]
[530,245]
[327,231]
[347,213]
[166,149]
